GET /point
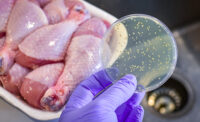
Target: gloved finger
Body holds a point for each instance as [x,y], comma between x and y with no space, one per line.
[123,111]
[136,98]
[103,79]
[136,115]
[89,88]
[118,93]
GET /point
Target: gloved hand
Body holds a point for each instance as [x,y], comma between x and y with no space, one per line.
[117,103]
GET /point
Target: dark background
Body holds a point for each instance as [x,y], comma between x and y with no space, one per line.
[174,13]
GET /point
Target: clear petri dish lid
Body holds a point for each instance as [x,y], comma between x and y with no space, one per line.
[140,45]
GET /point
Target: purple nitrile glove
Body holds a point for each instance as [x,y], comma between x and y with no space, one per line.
[117,103]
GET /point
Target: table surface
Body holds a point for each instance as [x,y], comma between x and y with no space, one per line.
[8,113]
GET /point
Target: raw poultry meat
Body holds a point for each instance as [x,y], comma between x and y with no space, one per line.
[5,10]
[38,81]
[83,58]
[71,3]
[35,1]
[13,81]
[2,40]
[42,3]
[40,36]
[48,44]
[2,34]
[24,19]
[56,11]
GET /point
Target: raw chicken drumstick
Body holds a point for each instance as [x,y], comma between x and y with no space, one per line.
[38,81]
[13,81]
[5,10]
[83,58]
[24,19]
[49,43]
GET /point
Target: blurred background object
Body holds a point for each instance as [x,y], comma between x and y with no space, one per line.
[174,13]
[178,99]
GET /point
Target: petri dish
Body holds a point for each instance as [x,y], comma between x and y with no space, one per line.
[140,45]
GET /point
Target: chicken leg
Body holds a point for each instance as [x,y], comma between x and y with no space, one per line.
[24,19]
[83,58]
[48,44]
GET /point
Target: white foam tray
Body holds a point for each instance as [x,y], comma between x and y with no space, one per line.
[40,114]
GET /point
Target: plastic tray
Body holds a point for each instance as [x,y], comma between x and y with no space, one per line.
[41,114]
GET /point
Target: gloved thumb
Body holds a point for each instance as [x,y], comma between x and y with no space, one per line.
[118,93]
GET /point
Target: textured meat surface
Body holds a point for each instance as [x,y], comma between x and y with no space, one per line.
[83,59]
[38,81]
[24,19]
[49,43]
[71,3]
[2,34]
[2,40]
[12,82]
[7,56]
[56,11]
[30,62]
[5,9]
[92,28]
[43,2]
[37,37]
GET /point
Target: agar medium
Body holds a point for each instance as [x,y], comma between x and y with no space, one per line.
[143,46]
